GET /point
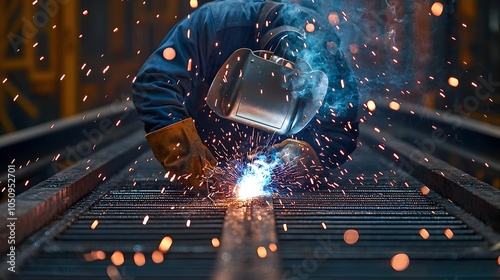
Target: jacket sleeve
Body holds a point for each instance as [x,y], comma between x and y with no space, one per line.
[333,132]
[167,77]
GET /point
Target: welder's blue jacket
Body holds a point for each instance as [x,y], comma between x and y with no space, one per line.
[167,91]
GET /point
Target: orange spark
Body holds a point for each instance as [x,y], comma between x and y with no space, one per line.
[117,258]
[425,190]
[215,242]
[262,252]
[157,257]
[333,18]
[371,105]
[394,105]
[437,8]
[273,247]
[400,262]
[139,259]
[351,236]
[113,272]
[310,27]
[448,233]
[165,244]
[424,233]
[169,53]
[452,81]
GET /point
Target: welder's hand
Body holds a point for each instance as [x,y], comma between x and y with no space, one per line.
[179,149]
[298,158]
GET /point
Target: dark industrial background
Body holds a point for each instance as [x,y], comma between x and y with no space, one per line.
[91,201]
[59,58]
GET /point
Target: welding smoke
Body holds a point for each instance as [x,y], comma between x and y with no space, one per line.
[322,50]
[386,48]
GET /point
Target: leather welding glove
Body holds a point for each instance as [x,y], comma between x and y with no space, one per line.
[179,149]
[299,159]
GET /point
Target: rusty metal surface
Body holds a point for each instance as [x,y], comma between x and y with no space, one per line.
[248,242]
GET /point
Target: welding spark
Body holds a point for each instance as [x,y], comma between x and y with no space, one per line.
[145,220]
[256,178]
[400,262]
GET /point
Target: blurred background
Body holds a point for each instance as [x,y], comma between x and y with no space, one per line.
[436,62]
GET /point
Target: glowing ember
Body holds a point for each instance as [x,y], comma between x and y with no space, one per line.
[139,259]
[452,81]
[437,8]
[448,233]
[113,272]
[273,247]
[262,252]
[98,255]
[117,258]
[371,105]
[400,262]
[354,48]
[425,190]
[333,18]
[310,27]
[94,255]
[94,224]
[424,233]
[165,244]
[157,257]
[394,105]
[215,242]
[351,236]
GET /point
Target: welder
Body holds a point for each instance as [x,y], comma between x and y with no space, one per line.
[278,66]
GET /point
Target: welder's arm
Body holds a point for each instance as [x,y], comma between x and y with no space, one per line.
[160,90]
[173,72]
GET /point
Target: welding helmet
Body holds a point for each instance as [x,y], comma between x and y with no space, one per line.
[272,89]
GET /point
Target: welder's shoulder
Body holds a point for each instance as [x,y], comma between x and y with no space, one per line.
[233,13]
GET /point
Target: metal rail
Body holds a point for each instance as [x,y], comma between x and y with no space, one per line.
[381,221]
[41,151]
[467,143]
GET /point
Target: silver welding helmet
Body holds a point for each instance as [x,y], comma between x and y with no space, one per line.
[271,89]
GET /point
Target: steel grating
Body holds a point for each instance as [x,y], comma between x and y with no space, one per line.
[384,206]
[133,216]
[355,230]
